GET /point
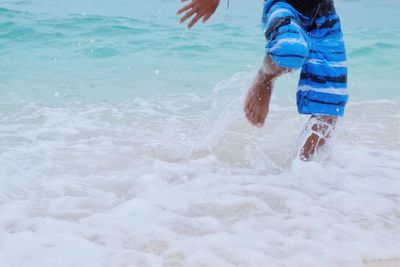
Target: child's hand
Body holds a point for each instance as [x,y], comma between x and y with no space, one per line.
[200,8]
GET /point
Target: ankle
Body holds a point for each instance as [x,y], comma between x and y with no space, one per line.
[266,78]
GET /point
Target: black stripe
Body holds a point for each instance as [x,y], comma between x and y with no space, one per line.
[335,32]
[310,8]
[275,34]
[272,31]
[324,79]
[340,104]
[286,55]
[327,52]
[327,32]
[329,23]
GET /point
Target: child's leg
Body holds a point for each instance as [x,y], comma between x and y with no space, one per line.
[256,105]
[287,49]
[320,130]
[322,90]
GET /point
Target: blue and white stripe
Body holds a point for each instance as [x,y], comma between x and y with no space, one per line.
[316,46]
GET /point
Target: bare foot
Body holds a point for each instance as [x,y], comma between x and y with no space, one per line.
[321,130]
[256,105]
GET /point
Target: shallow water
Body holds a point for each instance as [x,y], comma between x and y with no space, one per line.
[160,184]
[123,142]
[90,51]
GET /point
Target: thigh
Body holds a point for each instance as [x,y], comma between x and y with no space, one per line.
[287,42]
[323,79]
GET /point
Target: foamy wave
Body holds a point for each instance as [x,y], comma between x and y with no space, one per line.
[158,183]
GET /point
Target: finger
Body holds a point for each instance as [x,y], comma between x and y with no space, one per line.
[206,17]
[195,20]
[188,15]
[183,9]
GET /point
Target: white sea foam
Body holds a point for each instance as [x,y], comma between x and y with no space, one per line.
[187,182]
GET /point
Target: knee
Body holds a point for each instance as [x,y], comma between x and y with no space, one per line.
[289,53]
[288,47]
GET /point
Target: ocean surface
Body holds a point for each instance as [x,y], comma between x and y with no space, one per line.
[123,141]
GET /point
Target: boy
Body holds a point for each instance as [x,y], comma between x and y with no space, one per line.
[302,34]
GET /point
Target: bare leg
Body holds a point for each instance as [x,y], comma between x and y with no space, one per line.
[256,105]
[256,108]
[321,131]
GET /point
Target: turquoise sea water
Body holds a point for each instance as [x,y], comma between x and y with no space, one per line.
[104,51]
[123,142]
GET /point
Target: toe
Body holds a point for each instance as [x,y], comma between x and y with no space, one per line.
[261,119]
[254,118]
[250,117]
[258,121]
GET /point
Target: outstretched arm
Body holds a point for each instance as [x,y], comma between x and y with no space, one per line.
[200,9]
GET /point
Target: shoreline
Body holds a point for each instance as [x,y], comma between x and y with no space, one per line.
[383,263]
